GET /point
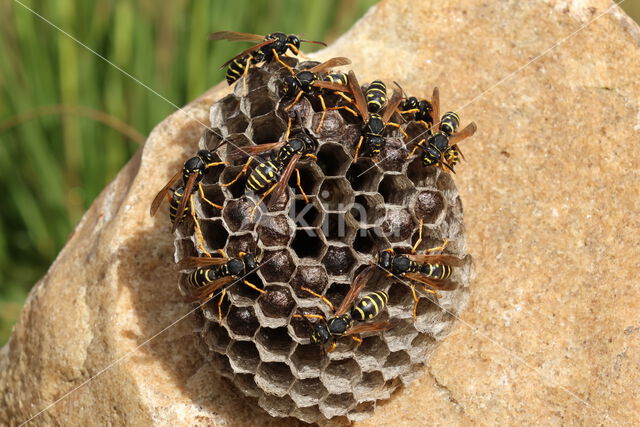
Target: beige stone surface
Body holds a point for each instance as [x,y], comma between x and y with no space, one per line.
[551,193]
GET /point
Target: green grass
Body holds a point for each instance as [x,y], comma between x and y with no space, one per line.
[69,120]
[55,160]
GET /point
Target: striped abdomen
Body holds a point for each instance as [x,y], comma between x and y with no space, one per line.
[236,69]
[175,201]
[449,123]
[370,306]
[263,175]
[436,271]
[337,78]
[376,96]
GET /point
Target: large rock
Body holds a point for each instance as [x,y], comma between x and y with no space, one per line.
[551,196]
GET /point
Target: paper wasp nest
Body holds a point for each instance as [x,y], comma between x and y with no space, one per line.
[356,210]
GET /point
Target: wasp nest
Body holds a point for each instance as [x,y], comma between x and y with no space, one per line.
[355,210]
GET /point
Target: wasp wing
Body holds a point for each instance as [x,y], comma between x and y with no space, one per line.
[468,131]
[162,193]
[235,36]
[186,198]
[369,327]
[283,182]
[435,110]
[190,262]
[356,287]
[451,260]
[356,90]
[331,63]
[392,106]
[238,153]
[331,86]
[247,51]
[443,285]
[202,294]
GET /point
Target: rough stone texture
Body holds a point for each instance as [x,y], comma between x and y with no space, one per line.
[551,201]
[351,216]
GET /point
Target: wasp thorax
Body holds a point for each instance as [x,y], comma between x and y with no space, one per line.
[339,325]
[235,266]
[400,264]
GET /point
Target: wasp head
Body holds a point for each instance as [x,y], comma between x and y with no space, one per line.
[290,87]
[319,333]
[235,266]
[206,156]
[384,259]
[293,42]
[250,262]
[410,103]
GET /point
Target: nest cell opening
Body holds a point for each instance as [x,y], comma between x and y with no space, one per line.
[395,189]
[277,265]
[335,194]
[277,302]
[339,260]
[307,243]
[306,214]
[242,321]
[274,377]
[333,160]
[364,175]
[267,129]
[244,356]
[214,233]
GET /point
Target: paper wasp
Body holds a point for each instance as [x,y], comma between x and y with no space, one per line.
[431,271]
[418,110]
[441,145]
[192,173]
[269,47]
[346,319]
[311,82]
[273,175]
[374,124]
[213,273]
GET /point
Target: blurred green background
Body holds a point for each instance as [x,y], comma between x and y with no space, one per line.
[69,121]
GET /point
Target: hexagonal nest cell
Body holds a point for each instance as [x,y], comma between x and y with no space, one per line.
[354,210]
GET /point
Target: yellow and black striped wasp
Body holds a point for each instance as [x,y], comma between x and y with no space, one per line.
[433,272]
[313,81]
[269,47]
[214,273]
[440,147]
[192,173]
[417,110]
[272,175]
[348,318]
[374,123]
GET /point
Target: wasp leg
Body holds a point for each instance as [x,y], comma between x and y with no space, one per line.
[309,316]
[224,292]
[415,246]
[196,224]
[242,172]
[201,190]
[251,285]
[306,199]
[439,248]
[209,165]
[413,110]
[323,298]
[295,101]
[334,344]
[286,134]
[355,155]
[275,55]
[356,339]
[416,300]
[419,144]
[264,196]
[396,125]
[324,112]
[245,73]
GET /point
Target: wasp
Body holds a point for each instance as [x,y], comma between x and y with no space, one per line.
[269,47]
[213,273]
[346,319]
[272,175]
[174,203]
[311,82]
[192,173]
[431,271]
[441,145]
[419,110]
[374,123]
